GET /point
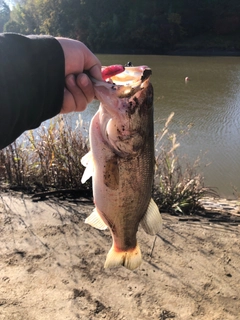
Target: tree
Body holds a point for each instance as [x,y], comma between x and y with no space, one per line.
[135,26]
[4,14]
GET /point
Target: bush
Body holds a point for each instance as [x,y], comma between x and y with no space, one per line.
[178,185]
[49,157]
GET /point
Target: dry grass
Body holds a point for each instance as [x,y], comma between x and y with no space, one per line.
[46,158]
[179,185]
[49,158]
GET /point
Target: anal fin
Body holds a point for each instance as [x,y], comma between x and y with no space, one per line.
[152,220]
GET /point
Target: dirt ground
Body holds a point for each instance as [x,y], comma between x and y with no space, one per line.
[51,267]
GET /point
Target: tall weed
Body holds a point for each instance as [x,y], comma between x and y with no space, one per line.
[49,157]
[178,185]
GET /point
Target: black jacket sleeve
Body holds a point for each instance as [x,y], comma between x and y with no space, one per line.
[31,83]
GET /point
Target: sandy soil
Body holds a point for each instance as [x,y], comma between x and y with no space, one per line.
[51,267]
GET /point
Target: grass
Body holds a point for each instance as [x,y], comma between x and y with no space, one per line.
[179,185]
[49,158]
[46,158]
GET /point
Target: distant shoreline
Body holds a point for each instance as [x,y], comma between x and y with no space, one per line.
[177,52]
[205,52]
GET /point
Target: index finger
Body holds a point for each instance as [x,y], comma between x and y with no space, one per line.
[92,64]
[95,72]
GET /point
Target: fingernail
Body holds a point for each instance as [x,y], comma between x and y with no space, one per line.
[71,80]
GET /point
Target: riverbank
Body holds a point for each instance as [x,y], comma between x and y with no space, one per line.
[208,45]
[178,51]
[52,265]
[210,52]
[201,45]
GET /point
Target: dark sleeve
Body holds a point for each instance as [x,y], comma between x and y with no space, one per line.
[31,83]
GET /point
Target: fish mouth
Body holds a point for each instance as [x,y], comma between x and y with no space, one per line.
[130,81]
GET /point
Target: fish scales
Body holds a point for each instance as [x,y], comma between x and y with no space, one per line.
[121,162]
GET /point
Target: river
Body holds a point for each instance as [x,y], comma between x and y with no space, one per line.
[209,103]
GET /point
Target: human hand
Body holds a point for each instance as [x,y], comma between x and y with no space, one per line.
[79,89]
[77,93]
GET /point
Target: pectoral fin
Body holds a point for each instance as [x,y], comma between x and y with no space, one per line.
[87,161]
[96,221]
[152,220]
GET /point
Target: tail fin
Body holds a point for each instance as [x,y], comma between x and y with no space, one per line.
[130,259]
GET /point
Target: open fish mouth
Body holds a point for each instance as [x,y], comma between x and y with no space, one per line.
[130,80]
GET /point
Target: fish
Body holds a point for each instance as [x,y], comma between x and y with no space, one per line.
[121,162]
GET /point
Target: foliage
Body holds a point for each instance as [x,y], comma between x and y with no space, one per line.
[4,14]
[49,157]
[178,184]
[125,26]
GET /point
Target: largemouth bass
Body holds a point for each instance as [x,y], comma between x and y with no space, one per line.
[121,163]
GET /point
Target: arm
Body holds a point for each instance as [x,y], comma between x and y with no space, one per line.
[31,83]
[32,79]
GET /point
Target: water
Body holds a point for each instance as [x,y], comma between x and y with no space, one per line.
[209,102]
